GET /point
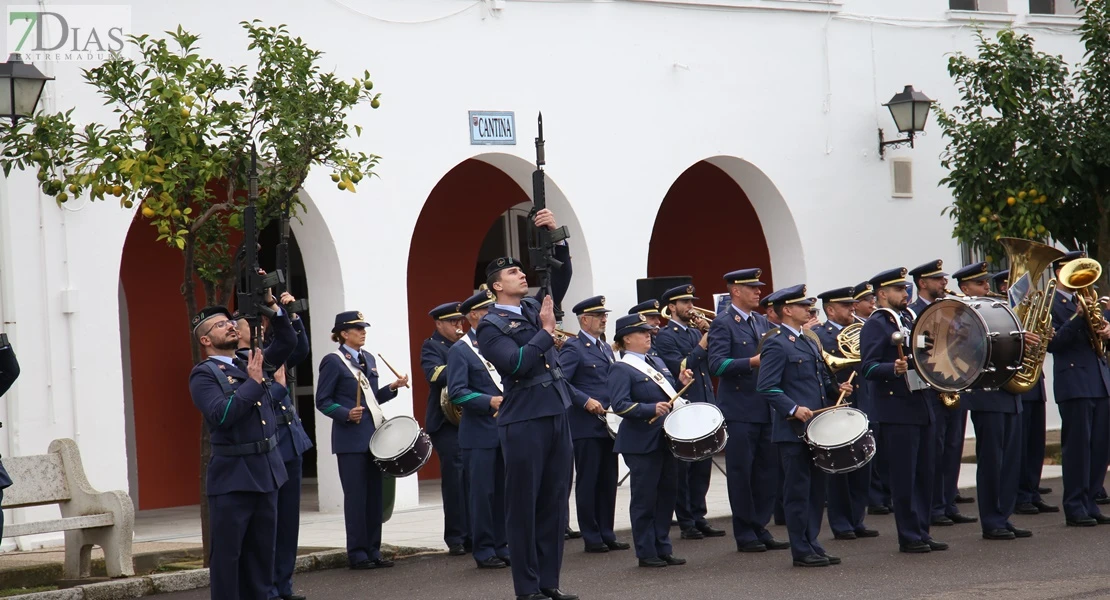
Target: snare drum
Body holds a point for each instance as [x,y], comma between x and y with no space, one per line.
[400,446]
[613,423]
[696,431]
[840,439]
[967,343]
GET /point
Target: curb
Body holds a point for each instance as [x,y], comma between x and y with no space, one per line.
[160,583]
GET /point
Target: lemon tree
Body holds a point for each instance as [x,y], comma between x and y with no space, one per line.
[177,149]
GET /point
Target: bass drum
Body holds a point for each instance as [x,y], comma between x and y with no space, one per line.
[967,343]
[400,446]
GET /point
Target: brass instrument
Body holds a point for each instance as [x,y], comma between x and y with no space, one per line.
[950,399]
[1034,311]
[1081,275]
[562,336]
[451,411]
[835,363]
[847,341]
[699,311]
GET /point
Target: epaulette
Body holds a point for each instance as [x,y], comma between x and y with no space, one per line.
[498,322]
[772,332]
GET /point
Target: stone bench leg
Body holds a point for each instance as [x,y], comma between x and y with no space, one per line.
[117,552]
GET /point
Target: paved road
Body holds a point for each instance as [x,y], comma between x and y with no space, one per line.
[1058,562]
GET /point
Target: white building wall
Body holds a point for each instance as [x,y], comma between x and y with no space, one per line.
[784,95]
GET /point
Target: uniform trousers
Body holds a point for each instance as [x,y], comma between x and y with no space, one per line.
[288,529]
[595,489]
[538,463]
[803,499]
[1084,444]
[997,448]
[485,472]
[910,453]
[847,495]
[750,463]
[243,534]
[1032,451]
[654,480]
[951,426]
[362,505]
[452,487]
[693,485]
[878,493]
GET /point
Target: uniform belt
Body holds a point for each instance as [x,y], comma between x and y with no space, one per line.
[284,417]
[245,449]
[551,376]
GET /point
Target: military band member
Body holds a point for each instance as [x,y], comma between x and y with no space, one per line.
[996,415]
[246,469]
[794,381]
[1033,422]
[865,301]
[585,360]
[683,344]
[847,493]
[475,385]
[904,415]
[951,423]
[518,337]
[9,372]
[1001,281]
[651,312]
[347,391]
[293,442]
[767,303]
[750,456]
[444,434]
[640,391]
[1081,382]
[878,494]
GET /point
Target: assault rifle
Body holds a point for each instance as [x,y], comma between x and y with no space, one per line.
[250,298]
[542,241]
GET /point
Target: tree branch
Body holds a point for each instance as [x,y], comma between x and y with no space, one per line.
[201,220]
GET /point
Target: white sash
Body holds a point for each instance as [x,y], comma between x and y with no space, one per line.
[489,366]
[641,366]
[913,380]
[364,388]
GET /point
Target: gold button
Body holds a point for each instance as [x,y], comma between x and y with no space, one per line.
[891,393]
[547,365]
[258,404]
[263,421]
[282,407]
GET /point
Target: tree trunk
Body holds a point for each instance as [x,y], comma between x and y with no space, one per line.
[188,290]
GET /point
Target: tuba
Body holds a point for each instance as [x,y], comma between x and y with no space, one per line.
[451,411]
[1081,275]
[1029,259]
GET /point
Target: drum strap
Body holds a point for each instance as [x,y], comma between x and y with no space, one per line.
[364,389]
[641,366]
[493,375]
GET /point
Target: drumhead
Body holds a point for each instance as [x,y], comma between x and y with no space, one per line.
[836,427]
[972,343]
[693,421]
[394,437]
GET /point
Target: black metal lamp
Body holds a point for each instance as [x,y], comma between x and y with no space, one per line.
[21,86]
[909,109]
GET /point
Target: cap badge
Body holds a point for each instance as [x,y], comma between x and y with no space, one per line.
[689,289]
[360,317]
[603,300]
[501,262]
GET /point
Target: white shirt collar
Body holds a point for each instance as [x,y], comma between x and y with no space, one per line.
[791,330]
[515,309]
[223,359]
[835,324]
[354,353]
[588,337]
[636,354]
[742,313]
[1068,295]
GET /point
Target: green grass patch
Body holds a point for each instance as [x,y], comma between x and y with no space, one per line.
[31,590]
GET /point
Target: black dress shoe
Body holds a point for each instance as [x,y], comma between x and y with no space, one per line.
[532,597]
[878,510]
[866,533]
[753,546]
[1026,508]
[653,562]
[456,550]
[571,534]
[1021,533]
[1081,522]
[964,499]
[293,597]
[1045,507]
[672,560]
[674,522]
[597,548]
[844,535]
[998,534]
[1101,519]
[812,560]
[1044,490]
[708,531]
[915,548]
[491,563]
[942,521]
[1102,499]
[833,560]
[936,546]
[505,559]
[615,545]
[962,518]
[692,534]
[773,544]
[557,594]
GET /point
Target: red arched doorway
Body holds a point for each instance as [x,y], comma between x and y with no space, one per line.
[705,228]
[459,225]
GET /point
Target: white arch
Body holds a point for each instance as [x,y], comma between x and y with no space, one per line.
[784,243]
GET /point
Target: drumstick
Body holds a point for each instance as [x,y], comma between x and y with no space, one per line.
[671,401]
[395,373]
[844,394]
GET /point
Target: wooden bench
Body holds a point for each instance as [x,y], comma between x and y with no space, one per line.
[89,518]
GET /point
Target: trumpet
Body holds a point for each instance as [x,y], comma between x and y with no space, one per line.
[699,317]
[561,337]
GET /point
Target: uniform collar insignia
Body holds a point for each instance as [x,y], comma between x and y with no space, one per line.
[737,317]
[223,367]
[790,337]
[503,314]
[587,344]
[514,324]
[230,379]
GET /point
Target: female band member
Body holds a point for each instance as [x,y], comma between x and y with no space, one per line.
[640,389]
[348,392]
